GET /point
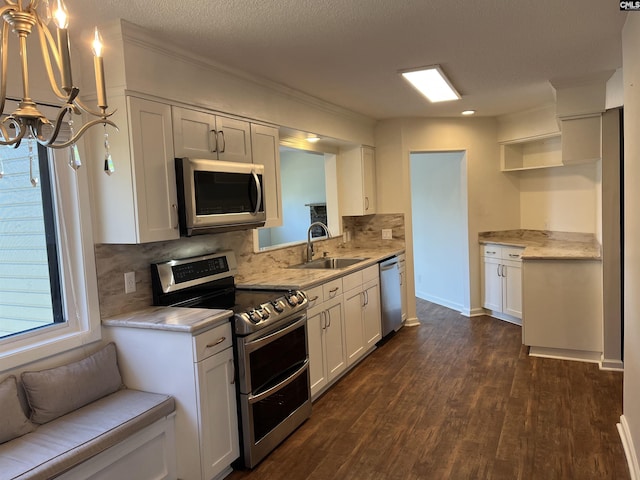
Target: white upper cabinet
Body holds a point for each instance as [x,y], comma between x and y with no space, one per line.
[357,181]
[137,202]
[266,151]
[199,134]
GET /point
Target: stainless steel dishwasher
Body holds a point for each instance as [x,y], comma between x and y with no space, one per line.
[390,297]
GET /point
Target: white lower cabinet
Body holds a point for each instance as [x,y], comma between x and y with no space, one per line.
[502,281]
[343,324]
[325,330]
[216,404]
[198,371]
[363,327]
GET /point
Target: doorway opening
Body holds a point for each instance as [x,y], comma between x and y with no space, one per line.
[440,228]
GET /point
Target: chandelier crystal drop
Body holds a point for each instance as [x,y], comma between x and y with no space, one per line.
[24,17]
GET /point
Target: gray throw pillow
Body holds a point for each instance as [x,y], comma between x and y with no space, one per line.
[54,392]
[13,421]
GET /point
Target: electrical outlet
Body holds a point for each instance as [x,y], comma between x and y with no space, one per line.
[129,282]
[387,234]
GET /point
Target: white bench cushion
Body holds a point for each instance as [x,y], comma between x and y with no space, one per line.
[57,446]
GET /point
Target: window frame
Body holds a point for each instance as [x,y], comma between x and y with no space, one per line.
[77,272]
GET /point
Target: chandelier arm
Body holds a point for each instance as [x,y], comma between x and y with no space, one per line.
[49,143]
[48,47]
[78,103]
[13,141]
[4,54]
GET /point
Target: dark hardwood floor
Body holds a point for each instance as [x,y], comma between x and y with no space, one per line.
[458,398]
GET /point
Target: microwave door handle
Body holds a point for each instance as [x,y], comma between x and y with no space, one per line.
[259,188]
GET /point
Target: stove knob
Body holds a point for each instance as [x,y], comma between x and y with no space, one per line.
[292,299]
[254,316]
[264,314]
[278,306]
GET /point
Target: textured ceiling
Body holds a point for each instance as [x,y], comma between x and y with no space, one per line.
[500,55]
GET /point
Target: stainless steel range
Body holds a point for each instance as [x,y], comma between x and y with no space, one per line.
[270,339]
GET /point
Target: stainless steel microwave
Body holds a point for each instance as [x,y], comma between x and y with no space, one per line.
[215,196]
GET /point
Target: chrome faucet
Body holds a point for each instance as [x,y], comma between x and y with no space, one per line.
[309,244]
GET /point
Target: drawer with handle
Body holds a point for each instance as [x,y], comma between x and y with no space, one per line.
[492,250]
[314,296]
[511,253]
[332,289]
[212,341]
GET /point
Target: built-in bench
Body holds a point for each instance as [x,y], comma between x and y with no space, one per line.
[59,434]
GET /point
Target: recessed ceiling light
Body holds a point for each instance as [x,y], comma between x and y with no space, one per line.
[313,138]
[432,83]
[468,112]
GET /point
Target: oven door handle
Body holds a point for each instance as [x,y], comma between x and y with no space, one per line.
[301,371]
[253,345]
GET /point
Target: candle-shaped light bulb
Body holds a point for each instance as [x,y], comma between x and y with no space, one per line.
[61,15]
[96,45]
[61,19]
[99,70]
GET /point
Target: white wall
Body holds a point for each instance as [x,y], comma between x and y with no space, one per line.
[493,198]
[565,199]
[439,206]
[631,73]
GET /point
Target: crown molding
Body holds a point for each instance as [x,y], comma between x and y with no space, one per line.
[141,37]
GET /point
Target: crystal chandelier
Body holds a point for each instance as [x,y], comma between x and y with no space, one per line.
[23,17]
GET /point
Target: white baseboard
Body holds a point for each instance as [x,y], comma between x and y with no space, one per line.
[476,312]
[629,449]
[563,354]
[503,316]
[613,365]
[440,301]
[412,322]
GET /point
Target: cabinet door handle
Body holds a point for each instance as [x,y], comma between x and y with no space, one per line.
[224,143]
[504,271]
[498,270]
[217,342]
[313,299]
[329,317]
[233,371]
[175,209]
[213,134]
[366,203]
[490,253]
[333,291]
[514,255]
[323,320]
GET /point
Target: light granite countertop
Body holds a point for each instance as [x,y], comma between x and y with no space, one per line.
[175,319]
[547,245]
[285,277]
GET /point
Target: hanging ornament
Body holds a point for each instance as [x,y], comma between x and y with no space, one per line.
[109,167]
[74,155]
[34,180]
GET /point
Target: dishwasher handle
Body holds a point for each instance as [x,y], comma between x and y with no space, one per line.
[389,263]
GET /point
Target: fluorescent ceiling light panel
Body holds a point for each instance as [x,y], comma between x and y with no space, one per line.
[431,82]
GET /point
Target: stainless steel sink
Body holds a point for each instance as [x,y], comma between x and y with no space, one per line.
[329,263]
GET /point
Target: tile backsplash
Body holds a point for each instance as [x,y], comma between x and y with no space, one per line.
[113,261]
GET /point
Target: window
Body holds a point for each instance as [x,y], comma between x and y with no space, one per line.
[303,187]
[30,295]
[56,310]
